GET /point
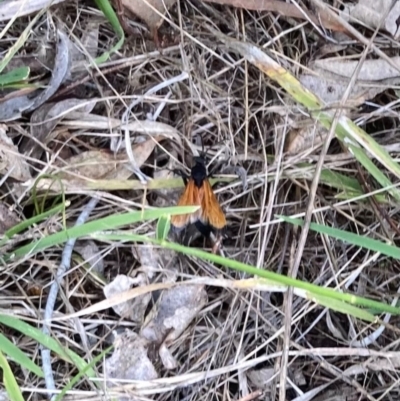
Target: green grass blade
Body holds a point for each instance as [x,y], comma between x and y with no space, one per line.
[20,41]
[50,343]
[10,349]
[346,131]
[30,222]
[16,75]
[348,128]
[312,289]
[106,223]
[163,227]
[339,181]
[349,187]
[345,308]
[346,195]
[77,377]
[108,11]
[351,238]
[374,170]
[11,385]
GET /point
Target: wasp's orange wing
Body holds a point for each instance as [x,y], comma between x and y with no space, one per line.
[189,197]
[211,212]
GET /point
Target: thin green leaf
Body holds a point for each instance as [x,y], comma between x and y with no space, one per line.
[13,352]
[350,129]
[106,223]
[54,180]
[20,41]
[374,170]
[351,238]
[77,377]
[50,343]
[275,277]
[353,195]
[339,181]
[16,75]
[163,226]
[346,131]
[344,307]
[30,222]
[349,186]
[108,11]
[11,385]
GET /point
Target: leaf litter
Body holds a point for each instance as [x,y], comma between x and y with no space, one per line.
[371,12]
[135,308]
[186,341]
[45,119]
[13,108]
[8,218]
[12,163]
[150,12]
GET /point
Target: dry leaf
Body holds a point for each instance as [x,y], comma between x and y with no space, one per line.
[134,309]
[19,8]
[263,378]
[329,48]
[331,90]
[12,163]
[175,309]
[103,164]
[285,9]
[167,359]
[333,76]
[149,128]
[141,9]
[11,109]
[60,71]
[90,42]
[90,38]
[371,12]
[371,70]
[311,394]
[173,312]
[341,393]
[93,164]
[45,119]
[389,363]
[305,138]
[129,360]
[8,218]
[151,258]
[91,254]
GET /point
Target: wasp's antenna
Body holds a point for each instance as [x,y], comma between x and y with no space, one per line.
[201,142]
[203,153]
